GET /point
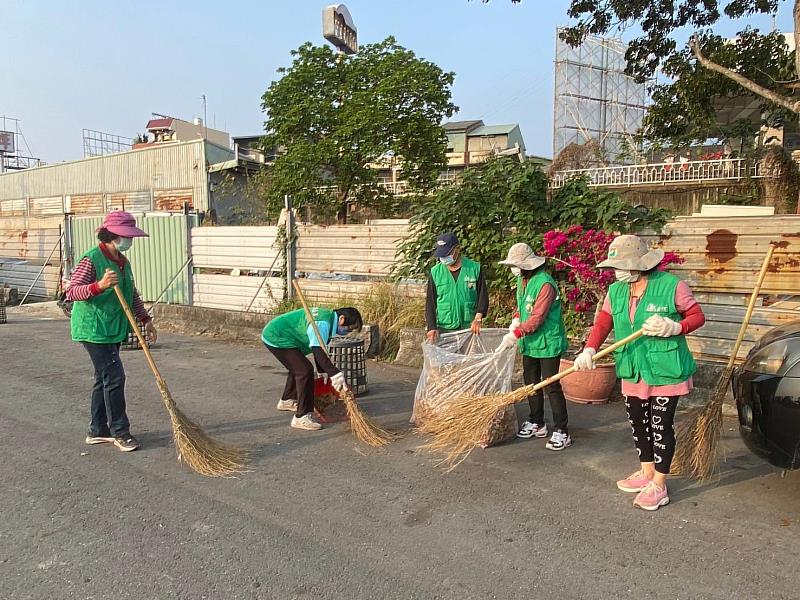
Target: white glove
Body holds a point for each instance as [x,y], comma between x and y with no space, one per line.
[338,382]
[584,362]
[514,324]
[661,326]
[509,341]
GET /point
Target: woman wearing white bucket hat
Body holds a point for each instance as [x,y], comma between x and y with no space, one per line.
[656,370]
[538,330]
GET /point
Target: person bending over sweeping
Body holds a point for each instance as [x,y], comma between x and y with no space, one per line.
[290,337]
[99,323]
[457,297]
[538,329]
[656,370]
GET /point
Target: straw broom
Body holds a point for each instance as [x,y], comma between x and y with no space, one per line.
[698,437]
[457,427]
[364,428]
[194,446]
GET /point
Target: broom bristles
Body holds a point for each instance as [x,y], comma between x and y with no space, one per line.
[457,427]
[363,427]
[697,453]
[197,449]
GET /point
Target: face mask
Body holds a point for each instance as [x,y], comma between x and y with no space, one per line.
[516,271]
[626,276]
[124,244]
[447,260]
[342,330]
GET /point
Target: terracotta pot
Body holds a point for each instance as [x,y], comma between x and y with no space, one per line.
[589,387]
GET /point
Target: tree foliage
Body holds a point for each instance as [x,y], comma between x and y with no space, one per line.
[686,110]
[331,115]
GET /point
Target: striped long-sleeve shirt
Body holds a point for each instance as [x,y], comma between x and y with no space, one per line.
[84,284]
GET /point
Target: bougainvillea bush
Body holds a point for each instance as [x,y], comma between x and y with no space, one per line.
[574,254]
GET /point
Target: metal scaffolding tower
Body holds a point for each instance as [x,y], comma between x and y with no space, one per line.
[594,99]
[11,142]
[98,143]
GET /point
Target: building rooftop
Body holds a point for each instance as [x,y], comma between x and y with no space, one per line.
[461,126]
[492,130]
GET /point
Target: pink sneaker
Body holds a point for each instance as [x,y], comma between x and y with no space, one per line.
[633,483]
[652,497]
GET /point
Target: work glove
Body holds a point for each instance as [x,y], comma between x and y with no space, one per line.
[659,326]
[584,362]
[338,382]
[509,341]
[515,323]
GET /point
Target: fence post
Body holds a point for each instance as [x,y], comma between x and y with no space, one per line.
[187,216]
[290,247]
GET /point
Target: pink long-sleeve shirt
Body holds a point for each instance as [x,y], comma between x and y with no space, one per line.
[83,283]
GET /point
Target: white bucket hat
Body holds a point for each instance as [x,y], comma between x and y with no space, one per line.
[631,253]
[521,255]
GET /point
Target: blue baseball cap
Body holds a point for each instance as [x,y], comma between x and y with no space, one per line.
[445,244]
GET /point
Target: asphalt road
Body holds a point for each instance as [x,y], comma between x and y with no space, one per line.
[321,516]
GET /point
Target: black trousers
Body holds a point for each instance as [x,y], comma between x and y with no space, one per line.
[300,381]
[108,393]
[653,432]
[535,370]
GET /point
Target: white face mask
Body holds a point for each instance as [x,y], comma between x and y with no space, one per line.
[516,271]
[626,276]
[124,244]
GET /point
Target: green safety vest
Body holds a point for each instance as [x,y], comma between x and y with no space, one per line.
[655,360]
[101,319]
[456,299]
[290,330]
[550,339]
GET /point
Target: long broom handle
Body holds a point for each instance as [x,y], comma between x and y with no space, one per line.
[310,317]
[751,305]
[135,327]
[605,352]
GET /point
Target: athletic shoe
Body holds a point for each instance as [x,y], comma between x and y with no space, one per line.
[287,405]
[126,443]
[652,497]
[529,430]
[307,422]
[633,483]
[103,438]
[558,441]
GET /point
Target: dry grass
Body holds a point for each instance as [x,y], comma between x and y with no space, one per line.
[697,452]
[363,427]
[391,311]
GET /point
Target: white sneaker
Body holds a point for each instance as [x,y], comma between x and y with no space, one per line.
[529,430]
[287,405]
[558,441]
[307,422]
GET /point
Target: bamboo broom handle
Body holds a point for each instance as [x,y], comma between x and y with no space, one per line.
[605,352]
[135,327]
[751,305]
[310,317]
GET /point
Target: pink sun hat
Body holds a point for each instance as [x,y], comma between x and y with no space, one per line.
[123,224]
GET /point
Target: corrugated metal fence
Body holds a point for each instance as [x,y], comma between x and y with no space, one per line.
[27,245]
[156,260]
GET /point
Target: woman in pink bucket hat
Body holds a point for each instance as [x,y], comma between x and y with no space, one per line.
[656,370]
[99,323]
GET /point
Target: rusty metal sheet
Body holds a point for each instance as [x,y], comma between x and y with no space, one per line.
[130,201]
[86,204]
[172,200]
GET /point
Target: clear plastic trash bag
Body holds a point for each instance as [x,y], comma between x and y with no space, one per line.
[463,363]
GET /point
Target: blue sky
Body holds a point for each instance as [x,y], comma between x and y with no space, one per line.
[106,65]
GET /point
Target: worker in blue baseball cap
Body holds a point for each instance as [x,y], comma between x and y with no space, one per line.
[457,297]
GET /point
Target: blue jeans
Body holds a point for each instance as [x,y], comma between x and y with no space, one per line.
[108,393]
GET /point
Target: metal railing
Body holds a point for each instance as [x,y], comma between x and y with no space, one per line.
[663,173]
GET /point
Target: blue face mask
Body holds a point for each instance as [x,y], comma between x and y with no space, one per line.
[124,244]
[342,330]
[447,260]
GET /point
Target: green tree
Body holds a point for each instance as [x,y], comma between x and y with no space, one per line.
[687,109]
[333,115]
